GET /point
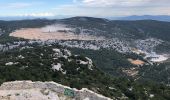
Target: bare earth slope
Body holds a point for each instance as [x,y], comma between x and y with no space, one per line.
[38,33]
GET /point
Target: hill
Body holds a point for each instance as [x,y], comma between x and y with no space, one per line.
[53,63]
[133,56]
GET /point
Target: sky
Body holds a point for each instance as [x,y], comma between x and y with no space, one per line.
[95,8]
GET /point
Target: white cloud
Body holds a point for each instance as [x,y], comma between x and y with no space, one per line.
[122,3]
[19,5]
[88,8]
[118,7]
[82,9]
[103,3]
[45,14]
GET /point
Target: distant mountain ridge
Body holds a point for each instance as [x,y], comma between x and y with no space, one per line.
[133,17]
[146,17]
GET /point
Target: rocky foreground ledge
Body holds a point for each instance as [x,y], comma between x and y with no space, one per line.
[28,90]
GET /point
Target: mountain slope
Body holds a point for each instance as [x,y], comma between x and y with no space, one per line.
[122,29]
[128,50]
[53,63]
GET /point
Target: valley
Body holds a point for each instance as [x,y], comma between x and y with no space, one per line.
[82,52]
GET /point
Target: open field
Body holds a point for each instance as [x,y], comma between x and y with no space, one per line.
[38,33]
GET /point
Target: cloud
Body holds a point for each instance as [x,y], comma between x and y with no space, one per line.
[118,7]
[87,8]
[44,14]
[123,3]
[19,5]
[110,8]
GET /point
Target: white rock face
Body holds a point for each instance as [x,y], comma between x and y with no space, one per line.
[21,57]
[151,95]
[90,63]
[29,94]
[156,57]
[58,52]
[83,62]
[9,63]
[86,99]
[57,67]
[67,52]
[28,90]
[159,58]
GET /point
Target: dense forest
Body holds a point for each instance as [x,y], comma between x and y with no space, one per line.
[35,63]
[112,62]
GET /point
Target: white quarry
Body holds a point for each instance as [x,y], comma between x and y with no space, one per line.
[153,57]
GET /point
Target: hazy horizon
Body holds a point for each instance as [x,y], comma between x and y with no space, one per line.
[91,8]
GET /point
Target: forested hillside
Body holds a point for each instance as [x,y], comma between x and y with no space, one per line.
[123,65]
[53,63]
[123,29]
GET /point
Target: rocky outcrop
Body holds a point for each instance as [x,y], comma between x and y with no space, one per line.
[52,90]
